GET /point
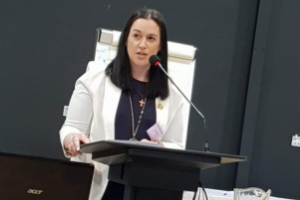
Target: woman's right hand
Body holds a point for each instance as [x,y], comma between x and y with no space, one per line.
[72,143]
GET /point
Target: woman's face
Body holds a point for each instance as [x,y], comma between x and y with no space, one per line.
[143,41]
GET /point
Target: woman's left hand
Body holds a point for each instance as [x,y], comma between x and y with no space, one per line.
[154,142]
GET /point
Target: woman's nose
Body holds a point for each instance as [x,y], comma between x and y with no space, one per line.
[142,44]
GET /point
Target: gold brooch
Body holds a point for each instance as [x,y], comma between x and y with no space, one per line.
[160,106]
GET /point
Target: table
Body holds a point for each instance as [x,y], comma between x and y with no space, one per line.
[214,194]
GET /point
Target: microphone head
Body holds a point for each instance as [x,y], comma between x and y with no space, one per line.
[154,60]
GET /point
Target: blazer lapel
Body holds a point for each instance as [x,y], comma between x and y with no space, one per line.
[112,96]
[162,113]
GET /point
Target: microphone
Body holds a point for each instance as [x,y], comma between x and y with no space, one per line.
[155,61]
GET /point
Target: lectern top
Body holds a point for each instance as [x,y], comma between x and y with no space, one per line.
[108,148]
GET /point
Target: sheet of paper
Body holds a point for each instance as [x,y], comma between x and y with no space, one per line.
[155,133]
[102,52]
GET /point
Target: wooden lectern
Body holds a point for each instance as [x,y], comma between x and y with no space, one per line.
[153,173]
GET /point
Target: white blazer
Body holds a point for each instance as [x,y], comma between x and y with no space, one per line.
[92,111]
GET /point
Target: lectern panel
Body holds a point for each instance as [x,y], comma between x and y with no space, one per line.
[154,175]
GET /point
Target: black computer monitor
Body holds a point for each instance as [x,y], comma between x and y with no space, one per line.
[27,178]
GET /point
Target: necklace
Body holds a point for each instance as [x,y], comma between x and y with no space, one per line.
[134,131]
[141,102]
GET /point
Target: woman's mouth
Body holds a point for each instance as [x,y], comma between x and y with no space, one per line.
[141,55]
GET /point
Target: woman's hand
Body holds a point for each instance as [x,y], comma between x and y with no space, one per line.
[155,142]
[72,143]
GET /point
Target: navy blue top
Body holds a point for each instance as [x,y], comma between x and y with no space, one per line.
[123,121]
[123,127]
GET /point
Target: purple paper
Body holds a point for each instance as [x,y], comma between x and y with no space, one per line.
[155,133]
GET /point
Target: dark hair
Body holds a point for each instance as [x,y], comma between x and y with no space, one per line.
[119,70]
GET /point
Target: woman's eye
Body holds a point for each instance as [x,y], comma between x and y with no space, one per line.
[136,35]
[151,38]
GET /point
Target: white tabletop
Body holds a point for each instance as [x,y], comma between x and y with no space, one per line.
[214,194]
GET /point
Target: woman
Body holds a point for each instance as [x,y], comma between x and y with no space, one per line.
[125,100]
